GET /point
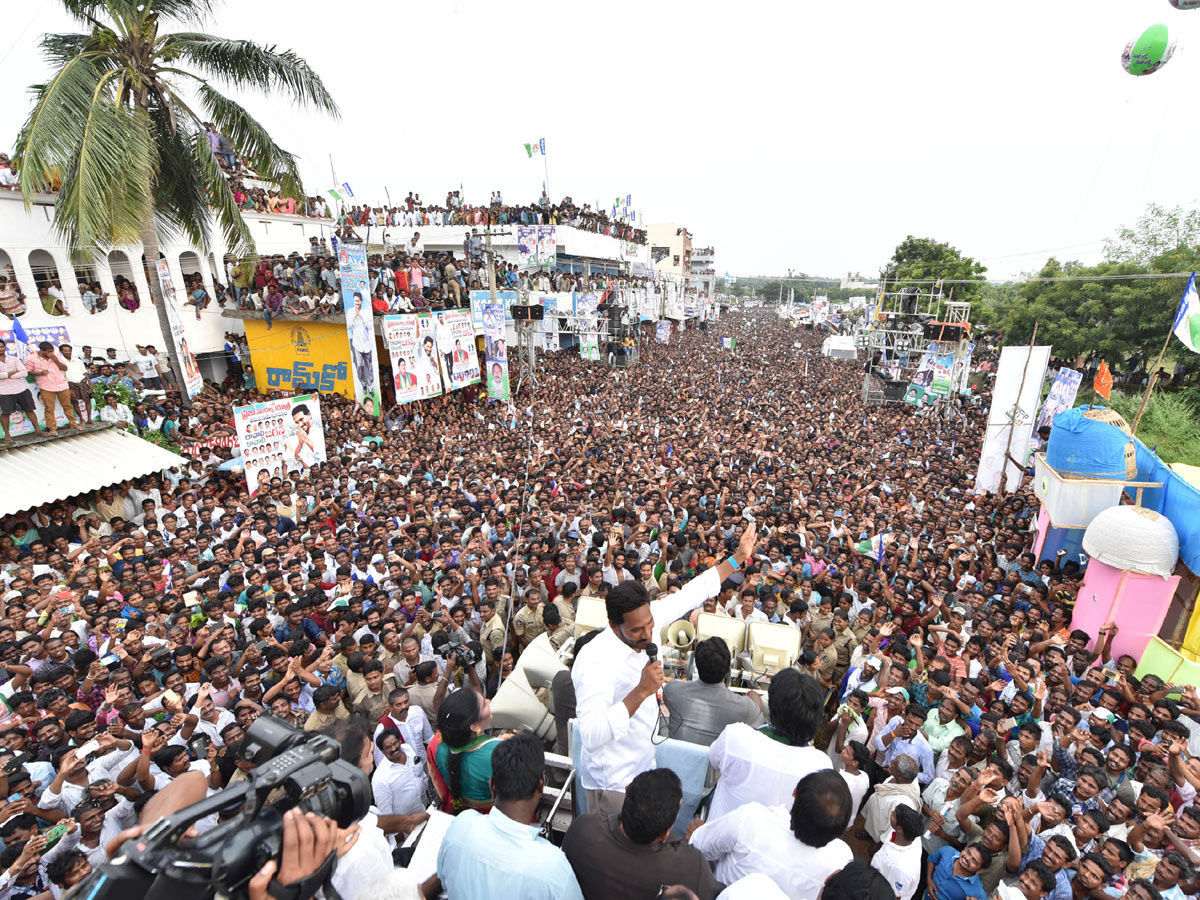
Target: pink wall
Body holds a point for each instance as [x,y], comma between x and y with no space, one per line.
[1136,603]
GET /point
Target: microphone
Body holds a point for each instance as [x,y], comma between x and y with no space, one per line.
[652,651]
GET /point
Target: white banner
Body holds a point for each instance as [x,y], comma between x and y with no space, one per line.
[193,381]
[456,348]
[1061,396]
[280,436]
[1011,414]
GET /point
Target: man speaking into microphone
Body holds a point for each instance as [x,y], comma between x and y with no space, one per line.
[616,682]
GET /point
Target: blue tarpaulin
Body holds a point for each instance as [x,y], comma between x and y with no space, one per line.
[1176,499]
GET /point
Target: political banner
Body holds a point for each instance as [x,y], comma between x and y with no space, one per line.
[278,437]
[300,356]
[550,342]
[962,371]
[456,348]
[480,299]
[360,326]
[527,246]
[495,353]
[547,246]
[1014,409]
[589,337]
[922,380]
[729,343]
[662,332]
[943,373]
[193,381]
[1061,396]
[411,372]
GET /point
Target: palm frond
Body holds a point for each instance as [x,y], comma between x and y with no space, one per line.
[179,194]
[179,10]
[248,63]
[59,49]
[51,135]
[224,208]
[252,141]
[104,198]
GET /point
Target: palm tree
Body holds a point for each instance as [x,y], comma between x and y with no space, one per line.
[122,119]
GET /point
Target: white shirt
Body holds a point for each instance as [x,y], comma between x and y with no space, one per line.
[757,838]
[415,729]
[757,769]
[147,365]
[398,787]
[616,747]
[901,866]
[753,887]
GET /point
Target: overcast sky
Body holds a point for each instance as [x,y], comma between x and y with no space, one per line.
[813,136]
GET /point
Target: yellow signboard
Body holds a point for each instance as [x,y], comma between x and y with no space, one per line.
[300,356]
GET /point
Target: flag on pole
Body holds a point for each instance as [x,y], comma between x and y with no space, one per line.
[538,146]
[1187,318]
[346,188]
[335,195]
[22,339]
[1104,380]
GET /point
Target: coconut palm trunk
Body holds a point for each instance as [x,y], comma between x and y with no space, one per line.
[150,247]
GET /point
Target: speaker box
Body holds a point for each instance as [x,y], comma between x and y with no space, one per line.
[531,313]
[941,331]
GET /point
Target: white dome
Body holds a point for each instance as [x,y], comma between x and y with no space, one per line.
[1134,539]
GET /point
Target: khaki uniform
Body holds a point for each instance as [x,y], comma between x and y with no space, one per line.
[528,622]
[827,663]
[491,636]
[559,636]
[816,626]
[567,611]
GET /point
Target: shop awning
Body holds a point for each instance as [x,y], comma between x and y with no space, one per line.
[53,470]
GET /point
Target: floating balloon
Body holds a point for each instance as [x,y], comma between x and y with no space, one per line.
[1150,52]
[1186,4]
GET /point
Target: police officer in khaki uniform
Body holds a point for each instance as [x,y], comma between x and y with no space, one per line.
[826,657]
[527,622]
[555,627]
[822,618]
[491,633]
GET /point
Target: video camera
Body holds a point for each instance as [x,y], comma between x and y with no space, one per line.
[162,864]
[466,656]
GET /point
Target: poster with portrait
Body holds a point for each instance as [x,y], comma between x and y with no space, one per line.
[495,353]
[922,382]
[192,379]
[360,324]
[279,437]
[586,317]
[527,246]
[456,348]
[662,332]
[1061,396]
[943,373]
[547,246]
[400,334]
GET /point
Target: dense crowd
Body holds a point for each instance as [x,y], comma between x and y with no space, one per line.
[943,723]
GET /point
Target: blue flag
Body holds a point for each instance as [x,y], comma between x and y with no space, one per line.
[22,339]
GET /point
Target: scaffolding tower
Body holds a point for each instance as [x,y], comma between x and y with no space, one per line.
[900,330]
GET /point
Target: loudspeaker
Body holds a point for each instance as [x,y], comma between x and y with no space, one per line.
[942,331]
[531,313]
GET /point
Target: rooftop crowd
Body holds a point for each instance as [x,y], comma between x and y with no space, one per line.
[944,733]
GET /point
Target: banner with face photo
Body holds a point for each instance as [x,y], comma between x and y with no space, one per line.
[662,332]
[400,334]
[495,353]
[456,348]
[278,437]
[192,379]
[527,246]
[589,337]
[1061,396]
[360,326]
[547,246]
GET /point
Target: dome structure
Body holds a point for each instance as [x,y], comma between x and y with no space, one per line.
[1134,539]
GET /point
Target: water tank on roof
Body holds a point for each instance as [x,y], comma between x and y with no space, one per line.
[1133,538]
[1091,442]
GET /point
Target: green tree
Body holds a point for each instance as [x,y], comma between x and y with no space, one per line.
[1157,232]
[122,118]
[924,260]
